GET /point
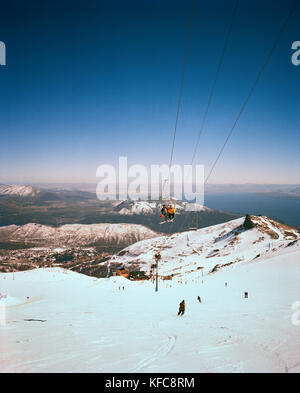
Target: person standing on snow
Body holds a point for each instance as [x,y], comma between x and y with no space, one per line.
[181,308]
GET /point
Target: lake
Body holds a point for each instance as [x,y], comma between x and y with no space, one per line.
[281,208]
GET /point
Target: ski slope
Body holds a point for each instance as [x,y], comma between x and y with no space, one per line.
[61,321]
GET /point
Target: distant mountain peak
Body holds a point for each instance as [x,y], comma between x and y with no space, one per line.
[18,190]
[130,207]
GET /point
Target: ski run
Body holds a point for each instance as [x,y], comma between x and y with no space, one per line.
[55,320]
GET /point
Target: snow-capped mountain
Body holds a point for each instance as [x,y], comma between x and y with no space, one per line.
[209,249]
[129,207]
[18,190]
[135,207]
[75,234]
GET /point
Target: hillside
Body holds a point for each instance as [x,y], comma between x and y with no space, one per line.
[209,248]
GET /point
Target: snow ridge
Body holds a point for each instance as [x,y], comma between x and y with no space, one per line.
[210,248]
[76,234]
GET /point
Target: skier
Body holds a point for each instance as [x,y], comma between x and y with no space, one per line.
[199,299]
[171,212]
[181,308]
[164,212]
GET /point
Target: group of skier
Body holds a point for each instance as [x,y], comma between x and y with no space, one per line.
[167,212]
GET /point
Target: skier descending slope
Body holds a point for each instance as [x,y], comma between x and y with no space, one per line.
[181,308]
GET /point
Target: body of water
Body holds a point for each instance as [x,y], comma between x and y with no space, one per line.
[280,208]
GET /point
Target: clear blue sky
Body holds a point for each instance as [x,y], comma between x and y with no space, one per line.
[88,81]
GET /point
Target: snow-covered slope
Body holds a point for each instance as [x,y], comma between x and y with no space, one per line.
[18,190]
[208,248]
[60,321]
[75,234]
[55,320]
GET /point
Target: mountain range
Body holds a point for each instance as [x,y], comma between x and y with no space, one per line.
[20,205]
[75,235]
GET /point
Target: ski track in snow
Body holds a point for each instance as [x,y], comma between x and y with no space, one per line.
[24,303]
[162,351]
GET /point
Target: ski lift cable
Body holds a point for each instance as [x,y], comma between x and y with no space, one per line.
[291,12]
[215,80]
[179,104]
[181,88]
[213,88]
[211,92]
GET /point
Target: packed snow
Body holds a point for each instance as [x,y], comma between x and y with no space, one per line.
[61,321]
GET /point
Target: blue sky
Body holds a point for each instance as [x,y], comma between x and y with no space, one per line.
[89,81]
